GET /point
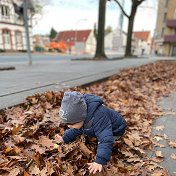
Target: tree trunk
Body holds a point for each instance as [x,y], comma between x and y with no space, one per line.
[100,53]
[128,52]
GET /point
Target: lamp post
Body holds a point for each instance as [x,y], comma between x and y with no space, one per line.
[25,17]
[121,18]
[76,32]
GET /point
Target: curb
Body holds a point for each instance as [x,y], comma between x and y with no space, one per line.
[6,68]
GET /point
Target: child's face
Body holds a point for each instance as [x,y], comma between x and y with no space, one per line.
[76,125]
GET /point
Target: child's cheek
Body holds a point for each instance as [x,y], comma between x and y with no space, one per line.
[69,126]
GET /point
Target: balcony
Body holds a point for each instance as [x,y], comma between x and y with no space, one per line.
[170,38]
[171,23]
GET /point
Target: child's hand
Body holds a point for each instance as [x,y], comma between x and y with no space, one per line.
[59,138]
[94,167]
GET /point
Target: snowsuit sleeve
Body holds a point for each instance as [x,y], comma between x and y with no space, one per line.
[104,134]
[71,134]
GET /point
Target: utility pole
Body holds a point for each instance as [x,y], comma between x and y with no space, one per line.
[25,19]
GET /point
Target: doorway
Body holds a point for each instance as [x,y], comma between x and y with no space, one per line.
[7,39]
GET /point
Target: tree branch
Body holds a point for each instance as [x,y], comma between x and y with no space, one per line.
[122,9]
[139,2]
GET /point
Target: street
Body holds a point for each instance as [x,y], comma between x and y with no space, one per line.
[54,73]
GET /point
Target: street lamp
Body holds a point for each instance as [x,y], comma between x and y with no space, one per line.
[78,21]
[25,18]
[22,11]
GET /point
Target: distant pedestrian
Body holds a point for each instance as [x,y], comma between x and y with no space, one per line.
[133,50]
[69,50]
[156,52]
[87,114]
[143,50]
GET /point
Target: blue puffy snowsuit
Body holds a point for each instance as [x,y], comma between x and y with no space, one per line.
[102,123]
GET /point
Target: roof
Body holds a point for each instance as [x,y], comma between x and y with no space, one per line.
[70,36]
[142,35]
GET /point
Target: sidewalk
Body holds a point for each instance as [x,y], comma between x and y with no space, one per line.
[168,132]
[7,68]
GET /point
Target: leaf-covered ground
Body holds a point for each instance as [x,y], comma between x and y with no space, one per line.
[28,147]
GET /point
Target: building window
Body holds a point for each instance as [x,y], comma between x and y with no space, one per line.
[18,37]
[165,16]
[6,34]
[5,11]
[162,32]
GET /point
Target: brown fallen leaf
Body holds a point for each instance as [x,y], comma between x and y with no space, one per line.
[49,166]
[158,145]
[159,128]
[139,151]
[45,141]
[49,96]
[14,172]
[136,136]
[152,166]
[173,156]
[38,148]
[14,149]
[127,153]
[157,159]
[16,129]
[25,173]
[170,113]
[160,173]
[19,158]
[134,160]
[44,171]
[165,137]
[28,113]
[128,142]
[85,150]
[34,170]
[159,154]
[172,144]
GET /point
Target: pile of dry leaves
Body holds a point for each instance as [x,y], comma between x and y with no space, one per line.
[27,145]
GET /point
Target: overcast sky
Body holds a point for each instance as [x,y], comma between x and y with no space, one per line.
[82,14]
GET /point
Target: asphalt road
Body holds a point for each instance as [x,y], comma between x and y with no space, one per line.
[53,73]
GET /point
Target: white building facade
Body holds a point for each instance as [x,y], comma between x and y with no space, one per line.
[12,30]
[115,41]
[90,44]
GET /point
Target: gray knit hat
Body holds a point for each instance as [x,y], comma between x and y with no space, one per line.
[73,108]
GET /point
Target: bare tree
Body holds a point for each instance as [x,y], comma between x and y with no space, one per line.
[131,17]
[38,11]
[100,53]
